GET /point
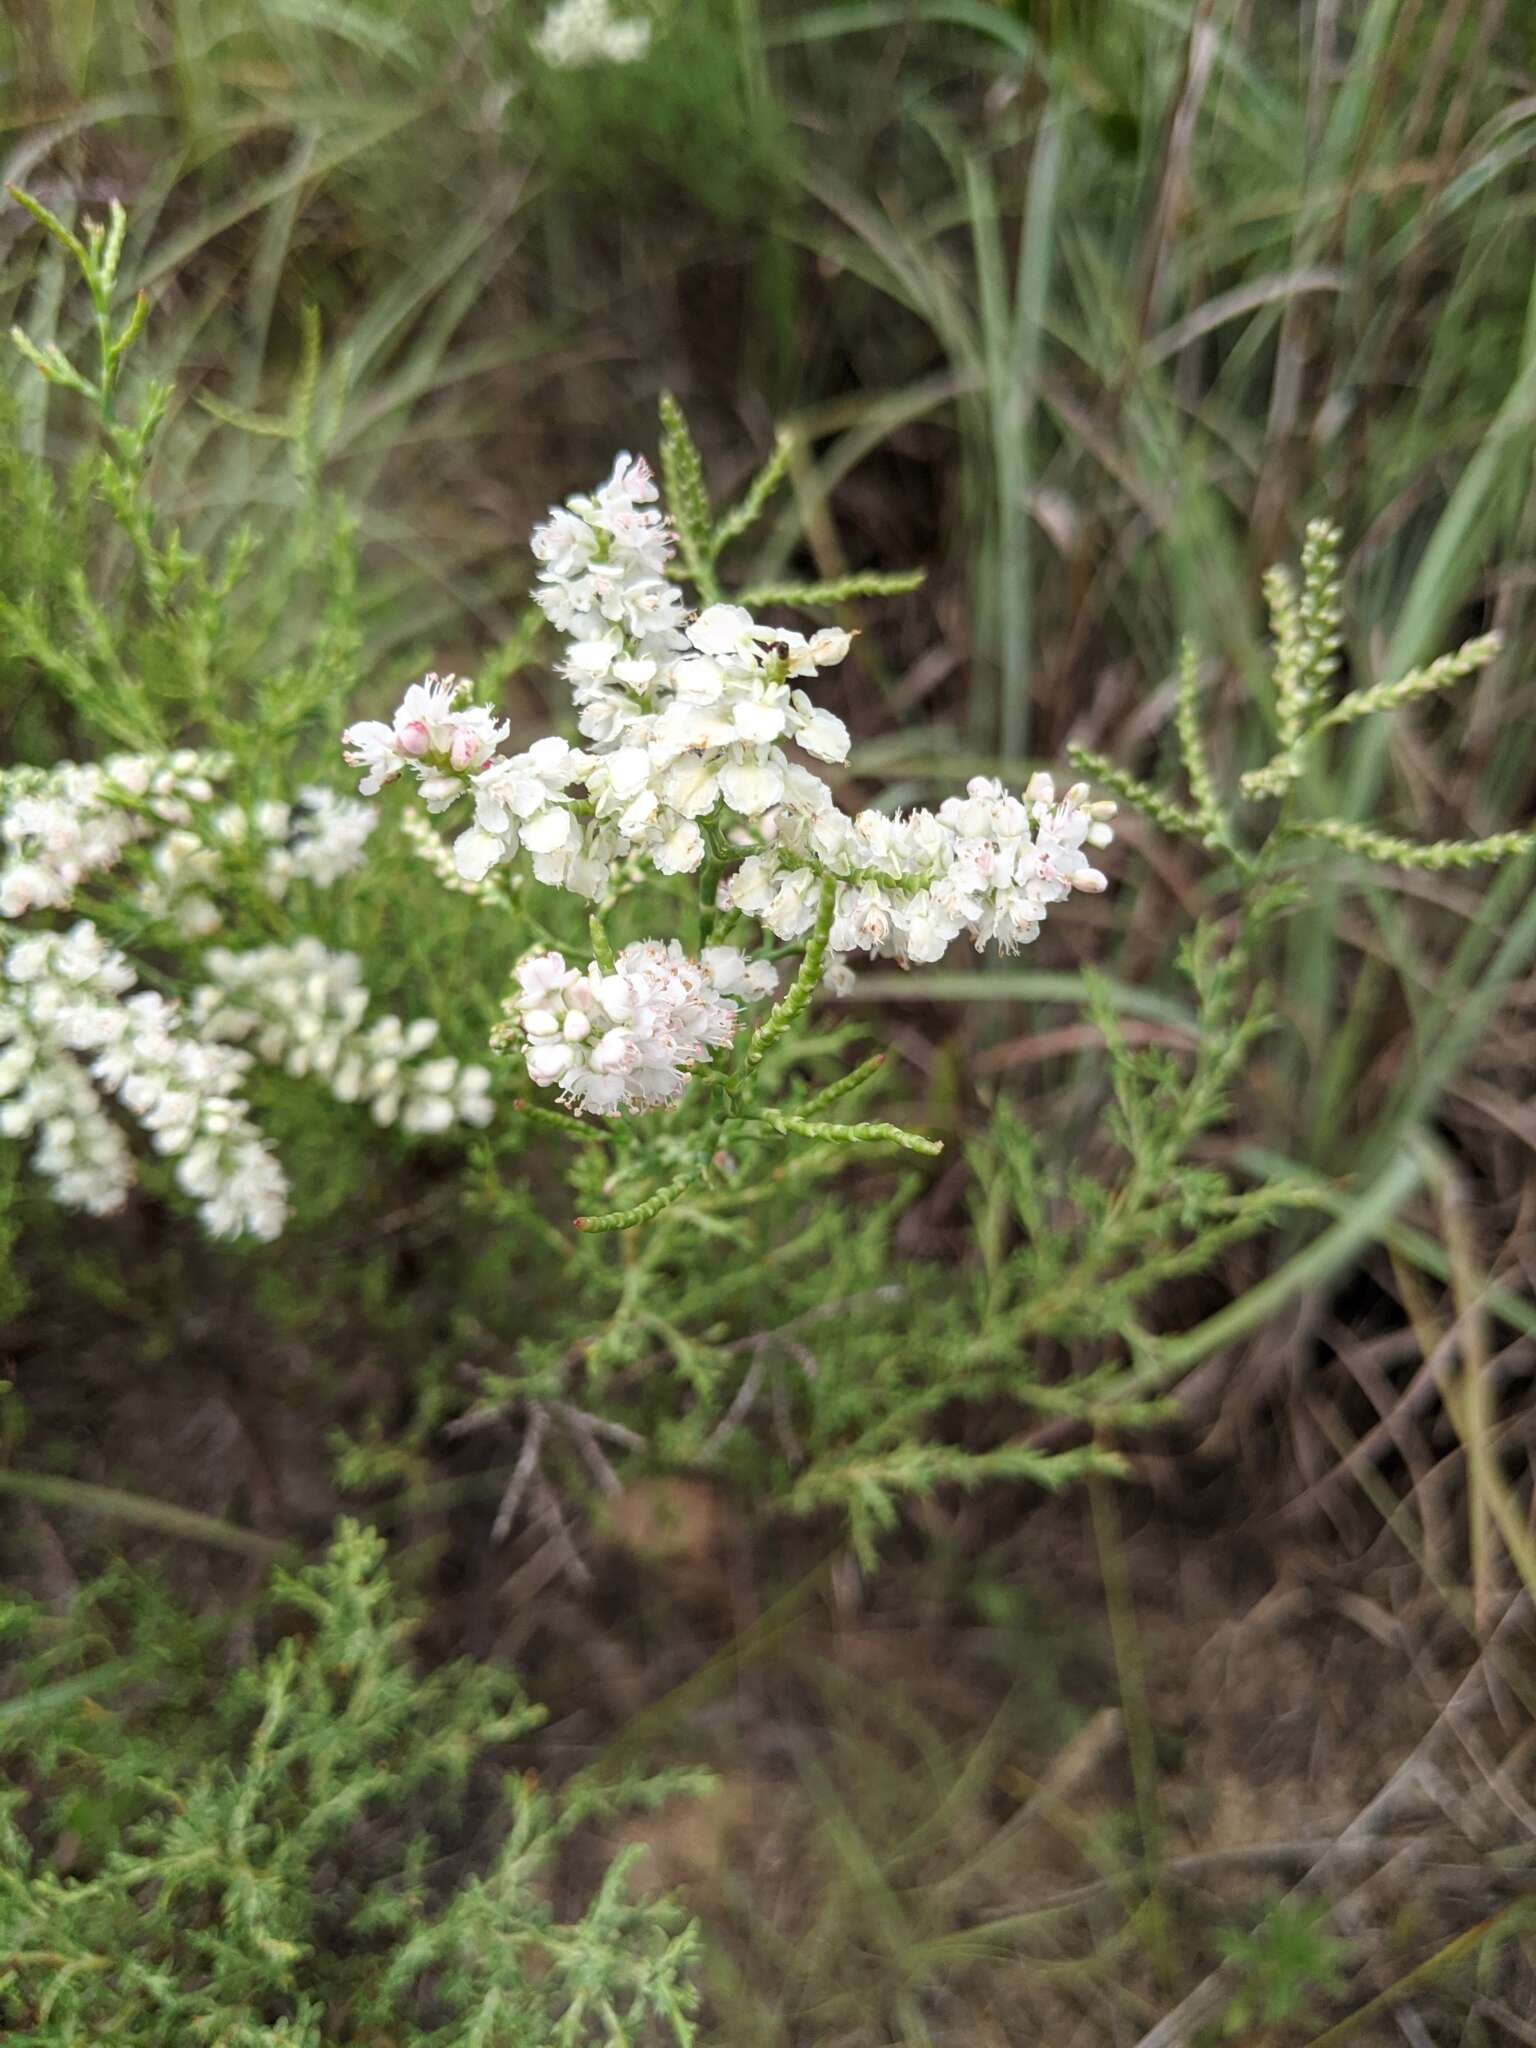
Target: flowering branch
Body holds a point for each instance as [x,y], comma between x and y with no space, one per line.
[160,837]
[685,721]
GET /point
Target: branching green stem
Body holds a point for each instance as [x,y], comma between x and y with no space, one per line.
[709,886]
[837,590]
[1162,810]
[1215,830]
[844,1085]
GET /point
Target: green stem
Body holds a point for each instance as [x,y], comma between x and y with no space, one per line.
[844,1085]
[83,1497]
[845,1134]
[1140,1740]
[805,983]
[602,951]
[561,1125]
[627,1219]
[709,887]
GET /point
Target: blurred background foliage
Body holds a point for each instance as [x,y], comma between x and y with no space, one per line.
[1088,306]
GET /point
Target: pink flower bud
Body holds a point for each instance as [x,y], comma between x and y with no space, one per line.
[414,739]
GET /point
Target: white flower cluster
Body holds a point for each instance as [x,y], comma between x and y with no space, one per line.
[433,733]
[987,864]
[626,1039]
[318,838]
[322,837]
[685,722]
[577,33]
[45,1095]
[64,825]
[685,717]
[69,1013]
[73,1027]
[304,1009]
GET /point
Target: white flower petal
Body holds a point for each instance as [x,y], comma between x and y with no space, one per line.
[476,852]
[751,786]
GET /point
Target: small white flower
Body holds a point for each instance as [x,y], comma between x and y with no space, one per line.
[726,629]
[837,977]
[820,732]
[476,852]
[731,973]
[825,649]
[690,785]
[680,850]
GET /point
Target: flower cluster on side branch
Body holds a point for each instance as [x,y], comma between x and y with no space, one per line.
[160,841]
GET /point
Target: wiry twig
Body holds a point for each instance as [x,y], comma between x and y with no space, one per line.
[741,1402]
[601,1425]
[763,1345]
[580,1428]
[584,1430]
[522,1472]
[784,1428]
[546,1506]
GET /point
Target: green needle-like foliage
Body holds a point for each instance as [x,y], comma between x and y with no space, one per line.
[275,1859]
[1305,636]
